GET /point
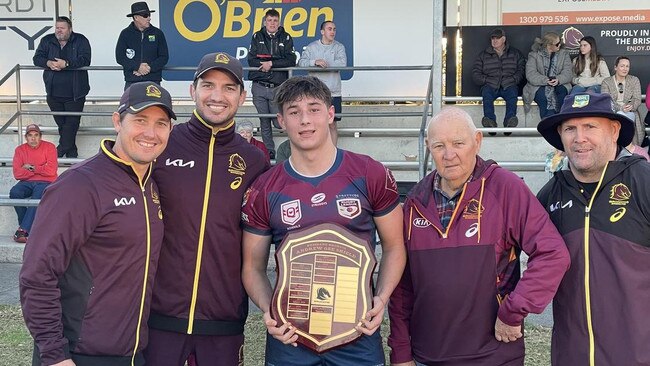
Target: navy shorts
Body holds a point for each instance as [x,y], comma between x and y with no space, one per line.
[365,351]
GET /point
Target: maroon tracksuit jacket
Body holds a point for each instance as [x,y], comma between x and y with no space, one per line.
[89,264]
[600,312]
[458,280]
[203,175]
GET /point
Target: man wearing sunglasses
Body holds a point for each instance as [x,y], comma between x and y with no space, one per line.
[141,48]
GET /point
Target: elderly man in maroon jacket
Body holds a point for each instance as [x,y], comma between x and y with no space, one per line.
[461,300]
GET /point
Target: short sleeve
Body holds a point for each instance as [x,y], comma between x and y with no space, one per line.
[382,188]
[255,217]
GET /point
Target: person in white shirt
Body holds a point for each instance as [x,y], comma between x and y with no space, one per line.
[323,54]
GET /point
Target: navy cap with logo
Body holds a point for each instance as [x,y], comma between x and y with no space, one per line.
[220,61]
[585,105]
[143,95]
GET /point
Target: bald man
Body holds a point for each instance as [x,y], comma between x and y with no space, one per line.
[461,299]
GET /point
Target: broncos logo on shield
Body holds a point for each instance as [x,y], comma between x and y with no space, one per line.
[323,294]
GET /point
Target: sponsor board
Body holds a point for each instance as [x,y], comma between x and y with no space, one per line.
[199,27]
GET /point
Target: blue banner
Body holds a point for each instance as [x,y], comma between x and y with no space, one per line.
[194,28]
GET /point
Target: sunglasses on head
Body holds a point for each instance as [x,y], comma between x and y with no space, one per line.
[620,87]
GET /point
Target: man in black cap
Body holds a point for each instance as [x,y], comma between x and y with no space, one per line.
[85,285]
[600,205]
[199,304]
[141,48]
[498,70]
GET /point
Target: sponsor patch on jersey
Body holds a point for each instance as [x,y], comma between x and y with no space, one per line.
[473,210]
[246,197]
[349,207]
[291,212]
[421,222]
[152,38]
[391,183]
[318,198]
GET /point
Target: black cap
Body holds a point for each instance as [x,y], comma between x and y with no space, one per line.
[138,8]
[497,33]
[585,105]
[143,95]
[221,61]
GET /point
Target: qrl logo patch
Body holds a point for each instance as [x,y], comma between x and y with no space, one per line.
[291,212]
[349,207]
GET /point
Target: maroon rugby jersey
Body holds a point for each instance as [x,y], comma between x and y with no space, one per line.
[354,190]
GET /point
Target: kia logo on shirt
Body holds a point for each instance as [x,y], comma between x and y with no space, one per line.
[421,222]
[124,201]
[179,163]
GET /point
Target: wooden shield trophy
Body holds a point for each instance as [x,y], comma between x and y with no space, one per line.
[324,285]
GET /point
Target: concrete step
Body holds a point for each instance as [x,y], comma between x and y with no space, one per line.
[10,251]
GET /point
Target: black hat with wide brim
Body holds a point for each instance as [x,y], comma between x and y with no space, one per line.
[585,105]
[138,8]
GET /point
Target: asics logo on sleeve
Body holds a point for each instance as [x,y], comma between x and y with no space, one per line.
[179,163]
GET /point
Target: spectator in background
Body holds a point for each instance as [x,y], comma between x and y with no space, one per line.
[498,70]
[284,152]
[324,53]
[245,130]
[625,90]
[271,47]
[66,90]
[35,166]
[141,48]
[470,218]
[549,73]
[589,68]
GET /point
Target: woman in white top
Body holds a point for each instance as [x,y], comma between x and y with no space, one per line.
[589,68]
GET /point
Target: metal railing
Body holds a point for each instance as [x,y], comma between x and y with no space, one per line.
[16,70]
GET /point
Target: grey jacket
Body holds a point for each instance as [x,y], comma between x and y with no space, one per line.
[536,75]
[335,56]
[631,93]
